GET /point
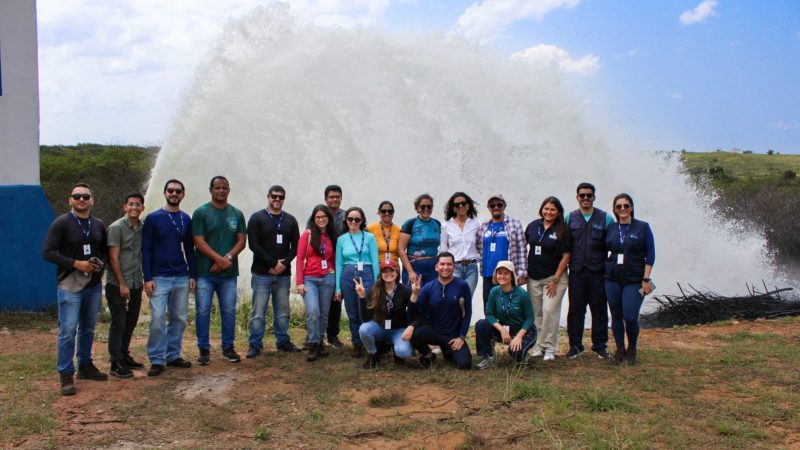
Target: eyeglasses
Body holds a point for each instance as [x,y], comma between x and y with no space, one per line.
[277,196]
[497,205]
[425,207]
[622,206]
[178,191]
[83,197]
[459,204]
[386,211]
[585,195]
[320,217]
[354,219]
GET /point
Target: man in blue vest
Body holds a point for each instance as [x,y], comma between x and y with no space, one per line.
[587,225]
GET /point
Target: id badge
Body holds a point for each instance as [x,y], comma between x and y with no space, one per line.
[387,324]
[279,238]
[87,249]
[620,259]
[388,257]
[492,246]
[360,265]
[537,250]
[324,264]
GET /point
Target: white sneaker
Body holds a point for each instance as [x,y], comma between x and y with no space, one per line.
[537,352]
[486,363]
[436,350]
[549,356]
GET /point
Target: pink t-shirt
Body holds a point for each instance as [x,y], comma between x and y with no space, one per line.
[309,262]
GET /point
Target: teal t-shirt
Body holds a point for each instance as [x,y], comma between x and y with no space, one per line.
[219,227]
[425,236]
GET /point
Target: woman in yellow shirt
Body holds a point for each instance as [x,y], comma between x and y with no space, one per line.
[386,233]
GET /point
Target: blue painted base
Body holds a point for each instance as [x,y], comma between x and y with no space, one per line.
[27,282]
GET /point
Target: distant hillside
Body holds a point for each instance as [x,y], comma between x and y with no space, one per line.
[743,166]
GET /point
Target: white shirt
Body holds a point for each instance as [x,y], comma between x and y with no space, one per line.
[461,243]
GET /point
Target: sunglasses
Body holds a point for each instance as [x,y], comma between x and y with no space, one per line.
[585,195]
[354,219]
[425,207]
[178,191]
[459,204]
[386,211]
[497,205]
[83,197]
[622,206]
[277,196]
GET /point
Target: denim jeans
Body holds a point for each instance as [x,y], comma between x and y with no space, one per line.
[77,315]
[124,317]
[371,332]
[469,274]
[170,300]
[624,301]
[264,287]
[422,267]
[485,333]
[352,304]
[225,287]
[317,300]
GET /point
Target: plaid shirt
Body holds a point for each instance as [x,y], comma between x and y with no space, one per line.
[516,243]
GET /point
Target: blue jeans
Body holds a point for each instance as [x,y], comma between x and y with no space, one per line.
[352,304]
[170,297]
[469,274]
[225,287]
[624,302]
[77,315]
[424,267]
[319,291]
[264,287]
[371,332]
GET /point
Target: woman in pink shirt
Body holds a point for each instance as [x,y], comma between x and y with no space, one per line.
[315,272]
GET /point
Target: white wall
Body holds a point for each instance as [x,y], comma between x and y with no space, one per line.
[19,103]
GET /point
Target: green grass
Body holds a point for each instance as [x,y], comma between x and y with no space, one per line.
[391,399]
[743,165]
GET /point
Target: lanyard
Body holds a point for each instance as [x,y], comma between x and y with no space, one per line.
[358,250]
[172,219]
[84,231]
[323,244]
[541,232]
[390,300]
[622,234]
[278,222]
[387,239]
[506,306]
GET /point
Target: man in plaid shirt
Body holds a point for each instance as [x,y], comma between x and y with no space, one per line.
[500,239]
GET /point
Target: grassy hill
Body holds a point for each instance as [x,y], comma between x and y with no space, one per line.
[744,166]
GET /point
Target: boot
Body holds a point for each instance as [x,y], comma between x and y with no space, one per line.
[619,357]
[313,351]
[321,349]
[372,361]
[358,351]
[67,385]
[88,371]
[630,356]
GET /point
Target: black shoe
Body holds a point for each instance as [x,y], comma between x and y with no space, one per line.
[205,357]
[120,370]
[399,361]
[630,357]
[358,351]
[306,344]
[288,347]
[88,371]
[313,351]
[426,361]
[231,355]
[132,363]
[67,385]
[180,362]
[334,342]
[372,361]
[321,350]
[602,354]
[155,370]
[619,357]
[252,352]
[574,352]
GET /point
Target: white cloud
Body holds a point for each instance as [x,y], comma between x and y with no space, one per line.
[675,95]
[700,13]
[485,20]
[783,126]
[550,55]
[115,71]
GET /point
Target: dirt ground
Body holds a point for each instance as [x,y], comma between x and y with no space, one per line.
[281,401]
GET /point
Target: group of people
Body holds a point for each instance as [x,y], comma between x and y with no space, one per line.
[405,288]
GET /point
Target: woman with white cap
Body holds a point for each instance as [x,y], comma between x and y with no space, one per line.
[509,319]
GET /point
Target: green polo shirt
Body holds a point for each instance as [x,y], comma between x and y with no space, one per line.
[219,227]
[129,240]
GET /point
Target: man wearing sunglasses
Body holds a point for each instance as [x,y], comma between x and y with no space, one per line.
[168,266]
[500,239]
[272,235]
[587,226]
[76,244]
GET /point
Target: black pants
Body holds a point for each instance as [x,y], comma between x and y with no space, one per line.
[587,288]
[334,317]
[124,316]
[485,333]
[425,335]
[487,287]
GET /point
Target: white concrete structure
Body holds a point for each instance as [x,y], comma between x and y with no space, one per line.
[19,93]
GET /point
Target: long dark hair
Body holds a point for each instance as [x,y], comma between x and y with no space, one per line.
[330,229]
[363,223]
[614,204]
[450,209]
[379,293]
[562,233]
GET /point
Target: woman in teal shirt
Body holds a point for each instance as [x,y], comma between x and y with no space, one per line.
[419,242]
[356,259]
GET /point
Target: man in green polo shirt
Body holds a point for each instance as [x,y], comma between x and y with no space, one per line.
[124,284]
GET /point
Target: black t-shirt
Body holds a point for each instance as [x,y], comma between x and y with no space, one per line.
[402,312]
[545,264]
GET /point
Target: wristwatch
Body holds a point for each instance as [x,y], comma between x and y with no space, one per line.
[646,279]
[229,257]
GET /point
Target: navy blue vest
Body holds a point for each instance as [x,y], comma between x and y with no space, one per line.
[588,241]
[632,250]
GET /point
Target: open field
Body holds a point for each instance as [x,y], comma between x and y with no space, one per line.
[726,385]
[743,165]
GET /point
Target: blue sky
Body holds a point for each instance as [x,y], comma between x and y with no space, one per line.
[699,75]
